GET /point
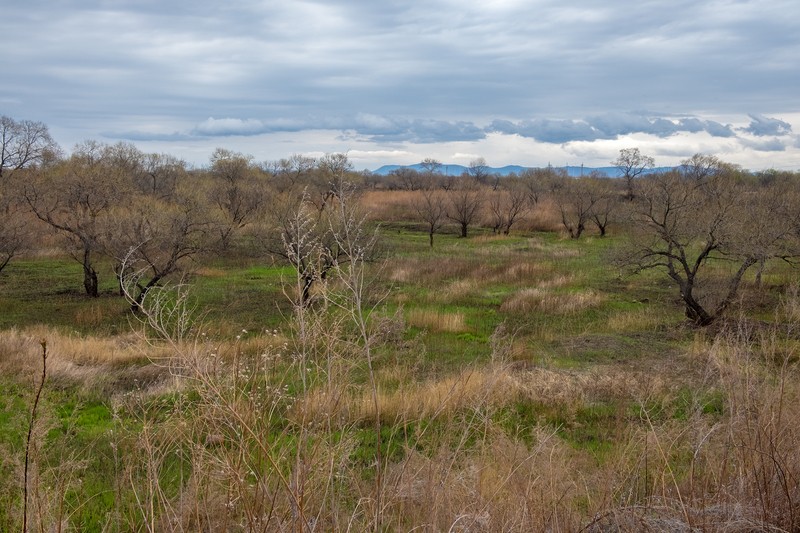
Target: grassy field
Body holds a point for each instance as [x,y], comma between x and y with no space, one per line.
[503,383]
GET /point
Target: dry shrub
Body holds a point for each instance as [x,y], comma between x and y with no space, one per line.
[540,299]
[501,484]
[435,320]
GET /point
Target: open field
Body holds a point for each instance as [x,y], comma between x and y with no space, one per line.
[499,383]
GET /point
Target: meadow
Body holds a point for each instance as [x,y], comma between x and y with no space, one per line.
[519,382]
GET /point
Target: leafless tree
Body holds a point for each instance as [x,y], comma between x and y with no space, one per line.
[23,143]
[688,226]
[539,181]
[575,203]
[432,209]
[604,199]
[237,191]
[160,176]
[507,205]
[431,165]
[292,172]
[152,238]
[74,197]
[306,237]
[408,178]
[632,164]
[480,171]
[14,230]
[464,205]
[333,174]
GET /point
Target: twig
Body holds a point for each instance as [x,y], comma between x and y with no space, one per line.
[30,436]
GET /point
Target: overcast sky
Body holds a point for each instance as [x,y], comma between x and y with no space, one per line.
[392,82]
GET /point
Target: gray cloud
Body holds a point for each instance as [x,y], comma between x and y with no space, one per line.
[608,126]
[765,145]
[400,71]
[763,126]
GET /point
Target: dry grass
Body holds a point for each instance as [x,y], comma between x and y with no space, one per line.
[642,319]
[541,299]
[430,272]
[390,206]
[434,320]
[88,361]
[469,389]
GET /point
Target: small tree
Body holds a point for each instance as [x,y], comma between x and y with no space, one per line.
[632,164]
[14,230]
[480,170]
[236,192]
[153,238]
[604,199]
[464,206]
[575,204]
[432,209]
[507,205]
[74,197]
[408,178]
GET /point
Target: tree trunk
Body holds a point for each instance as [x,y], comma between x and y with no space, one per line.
[89,275]
[464,230]
[431,238]
[694,311]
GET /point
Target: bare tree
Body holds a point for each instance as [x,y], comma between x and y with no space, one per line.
[632,164]
[334,173]
[431,165]
[14,230]
[304,236]
[408,178]
[74,197]
[432,209]
[153,238]
[507,205]
[575,203]
[687,227]
[291,172]
[236,191]
[464,206]
[479,169]
[604,199]
[160,176]
[538,182]
[23,143]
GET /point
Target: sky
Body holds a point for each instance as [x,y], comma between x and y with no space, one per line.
[530,83]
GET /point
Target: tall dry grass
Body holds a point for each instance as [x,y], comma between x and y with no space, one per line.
[542,299]
[115,363]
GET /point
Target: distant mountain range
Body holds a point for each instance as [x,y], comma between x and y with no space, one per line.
[457,170]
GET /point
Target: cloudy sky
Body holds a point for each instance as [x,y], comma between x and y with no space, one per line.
[392,82]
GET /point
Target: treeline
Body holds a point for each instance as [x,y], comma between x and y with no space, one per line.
[150,214]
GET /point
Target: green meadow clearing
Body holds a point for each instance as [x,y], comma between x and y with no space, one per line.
[539,382]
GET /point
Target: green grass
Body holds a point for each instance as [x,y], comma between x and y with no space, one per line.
[636,321]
